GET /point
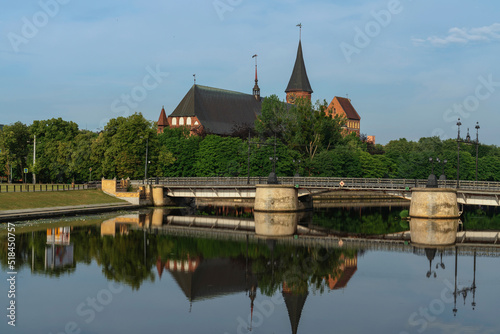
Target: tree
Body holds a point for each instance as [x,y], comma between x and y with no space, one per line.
[273,120]
[183,147]
[54,147]
[120,149]
[15,139]
[218,156]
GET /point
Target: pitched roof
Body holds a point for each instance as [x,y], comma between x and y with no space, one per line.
[213,278]
[349,110]
[162,121]
[294,305]
[299,81]
[220,111]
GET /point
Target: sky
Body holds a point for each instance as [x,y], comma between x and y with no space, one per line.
[410,67]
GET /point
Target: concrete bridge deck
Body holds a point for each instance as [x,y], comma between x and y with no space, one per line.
[468,193]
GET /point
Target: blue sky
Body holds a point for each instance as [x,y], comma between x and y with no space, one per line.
[411,68]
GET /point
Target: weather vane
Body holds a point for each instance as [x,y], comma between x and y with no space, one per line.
[194,78]
[300,30]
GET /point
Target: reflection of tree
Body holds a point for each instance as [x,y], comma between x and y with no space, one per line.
[124,259]
[482,219]
[368,221]
[295,268]
[132,258]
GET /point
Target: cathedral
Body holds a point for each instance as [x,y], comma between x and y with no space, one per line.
[224,112]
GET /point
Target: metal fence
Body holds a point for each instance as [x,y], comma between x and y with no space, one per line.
[327,182]
[9,188]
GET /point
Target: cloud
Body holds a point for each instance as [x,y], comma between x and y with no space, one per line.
[463,36]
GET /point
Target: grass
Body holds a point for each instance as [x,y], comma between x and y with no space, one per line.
[31,200]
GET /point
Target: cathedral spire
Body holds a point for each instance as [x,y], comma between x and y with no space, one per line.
[299,85]
[256,89]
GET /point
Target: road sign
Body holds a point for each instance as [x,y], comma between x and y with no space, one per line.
[26,170]
[90,169]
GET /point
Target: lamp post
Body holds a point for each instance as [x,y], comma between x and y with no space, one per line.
[442,177]
[248,161]
[34,158]
[460,140]
[272,178]
[477,145]
[146,161]
[432,180]
[298,165]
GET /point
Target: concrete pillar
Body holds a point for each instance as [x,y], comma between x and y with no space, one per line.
[433,216]
[275,210]
[276,198]
[433,232]
[272,224]
[158,199]
[434,203]
[157,219]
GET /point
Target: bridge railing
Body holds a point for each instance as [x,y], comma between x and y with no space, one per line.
[329,182]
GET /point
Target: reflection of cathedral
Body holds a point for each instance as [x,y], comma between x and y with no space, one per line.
[201,279]
[294,301]
[342,274]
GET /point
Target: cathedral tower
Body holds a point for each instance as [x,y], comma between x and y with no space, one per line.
[298,86]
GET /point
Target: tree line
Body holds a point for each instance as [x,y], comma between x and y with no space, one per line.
[307,141]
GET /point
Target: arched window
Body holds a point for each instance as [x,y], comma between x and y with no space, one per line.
[188,121]
[174,121]
[181,121]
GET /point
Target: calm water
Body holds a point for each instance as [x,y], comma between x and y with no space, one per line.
[98,274]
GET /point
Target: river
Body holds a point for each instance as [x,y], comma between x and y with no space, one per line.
[133,272]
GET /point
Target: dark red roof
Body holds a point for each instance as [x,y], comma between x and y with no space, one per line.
[349,110]
[162,121]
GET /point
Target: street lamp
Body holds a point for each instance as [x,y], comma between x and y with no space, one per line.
[442,177]
[272,178]
[477,144]
[146,161]
[34,158]
[432,180]
[460,140]
[298,164]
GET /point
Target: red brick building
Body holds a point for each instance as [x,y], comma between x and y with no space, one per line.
[342,106]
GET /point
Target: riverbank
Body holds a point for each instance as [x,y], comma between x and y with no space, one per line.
[58,211]
[33,200]
[35,205]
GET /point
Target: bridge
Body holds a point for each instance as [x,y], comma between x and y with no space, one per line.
[469,192]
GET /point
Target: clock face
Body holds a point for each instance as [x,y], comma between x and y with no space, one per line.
[291,98]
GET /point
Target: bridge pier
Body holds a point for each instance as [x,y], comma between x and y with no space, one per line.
[158,198]
[276,208]
[433,216]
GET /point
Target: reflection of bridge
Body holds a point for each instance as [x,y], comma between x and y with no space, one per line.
[486,243]
[470,192]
